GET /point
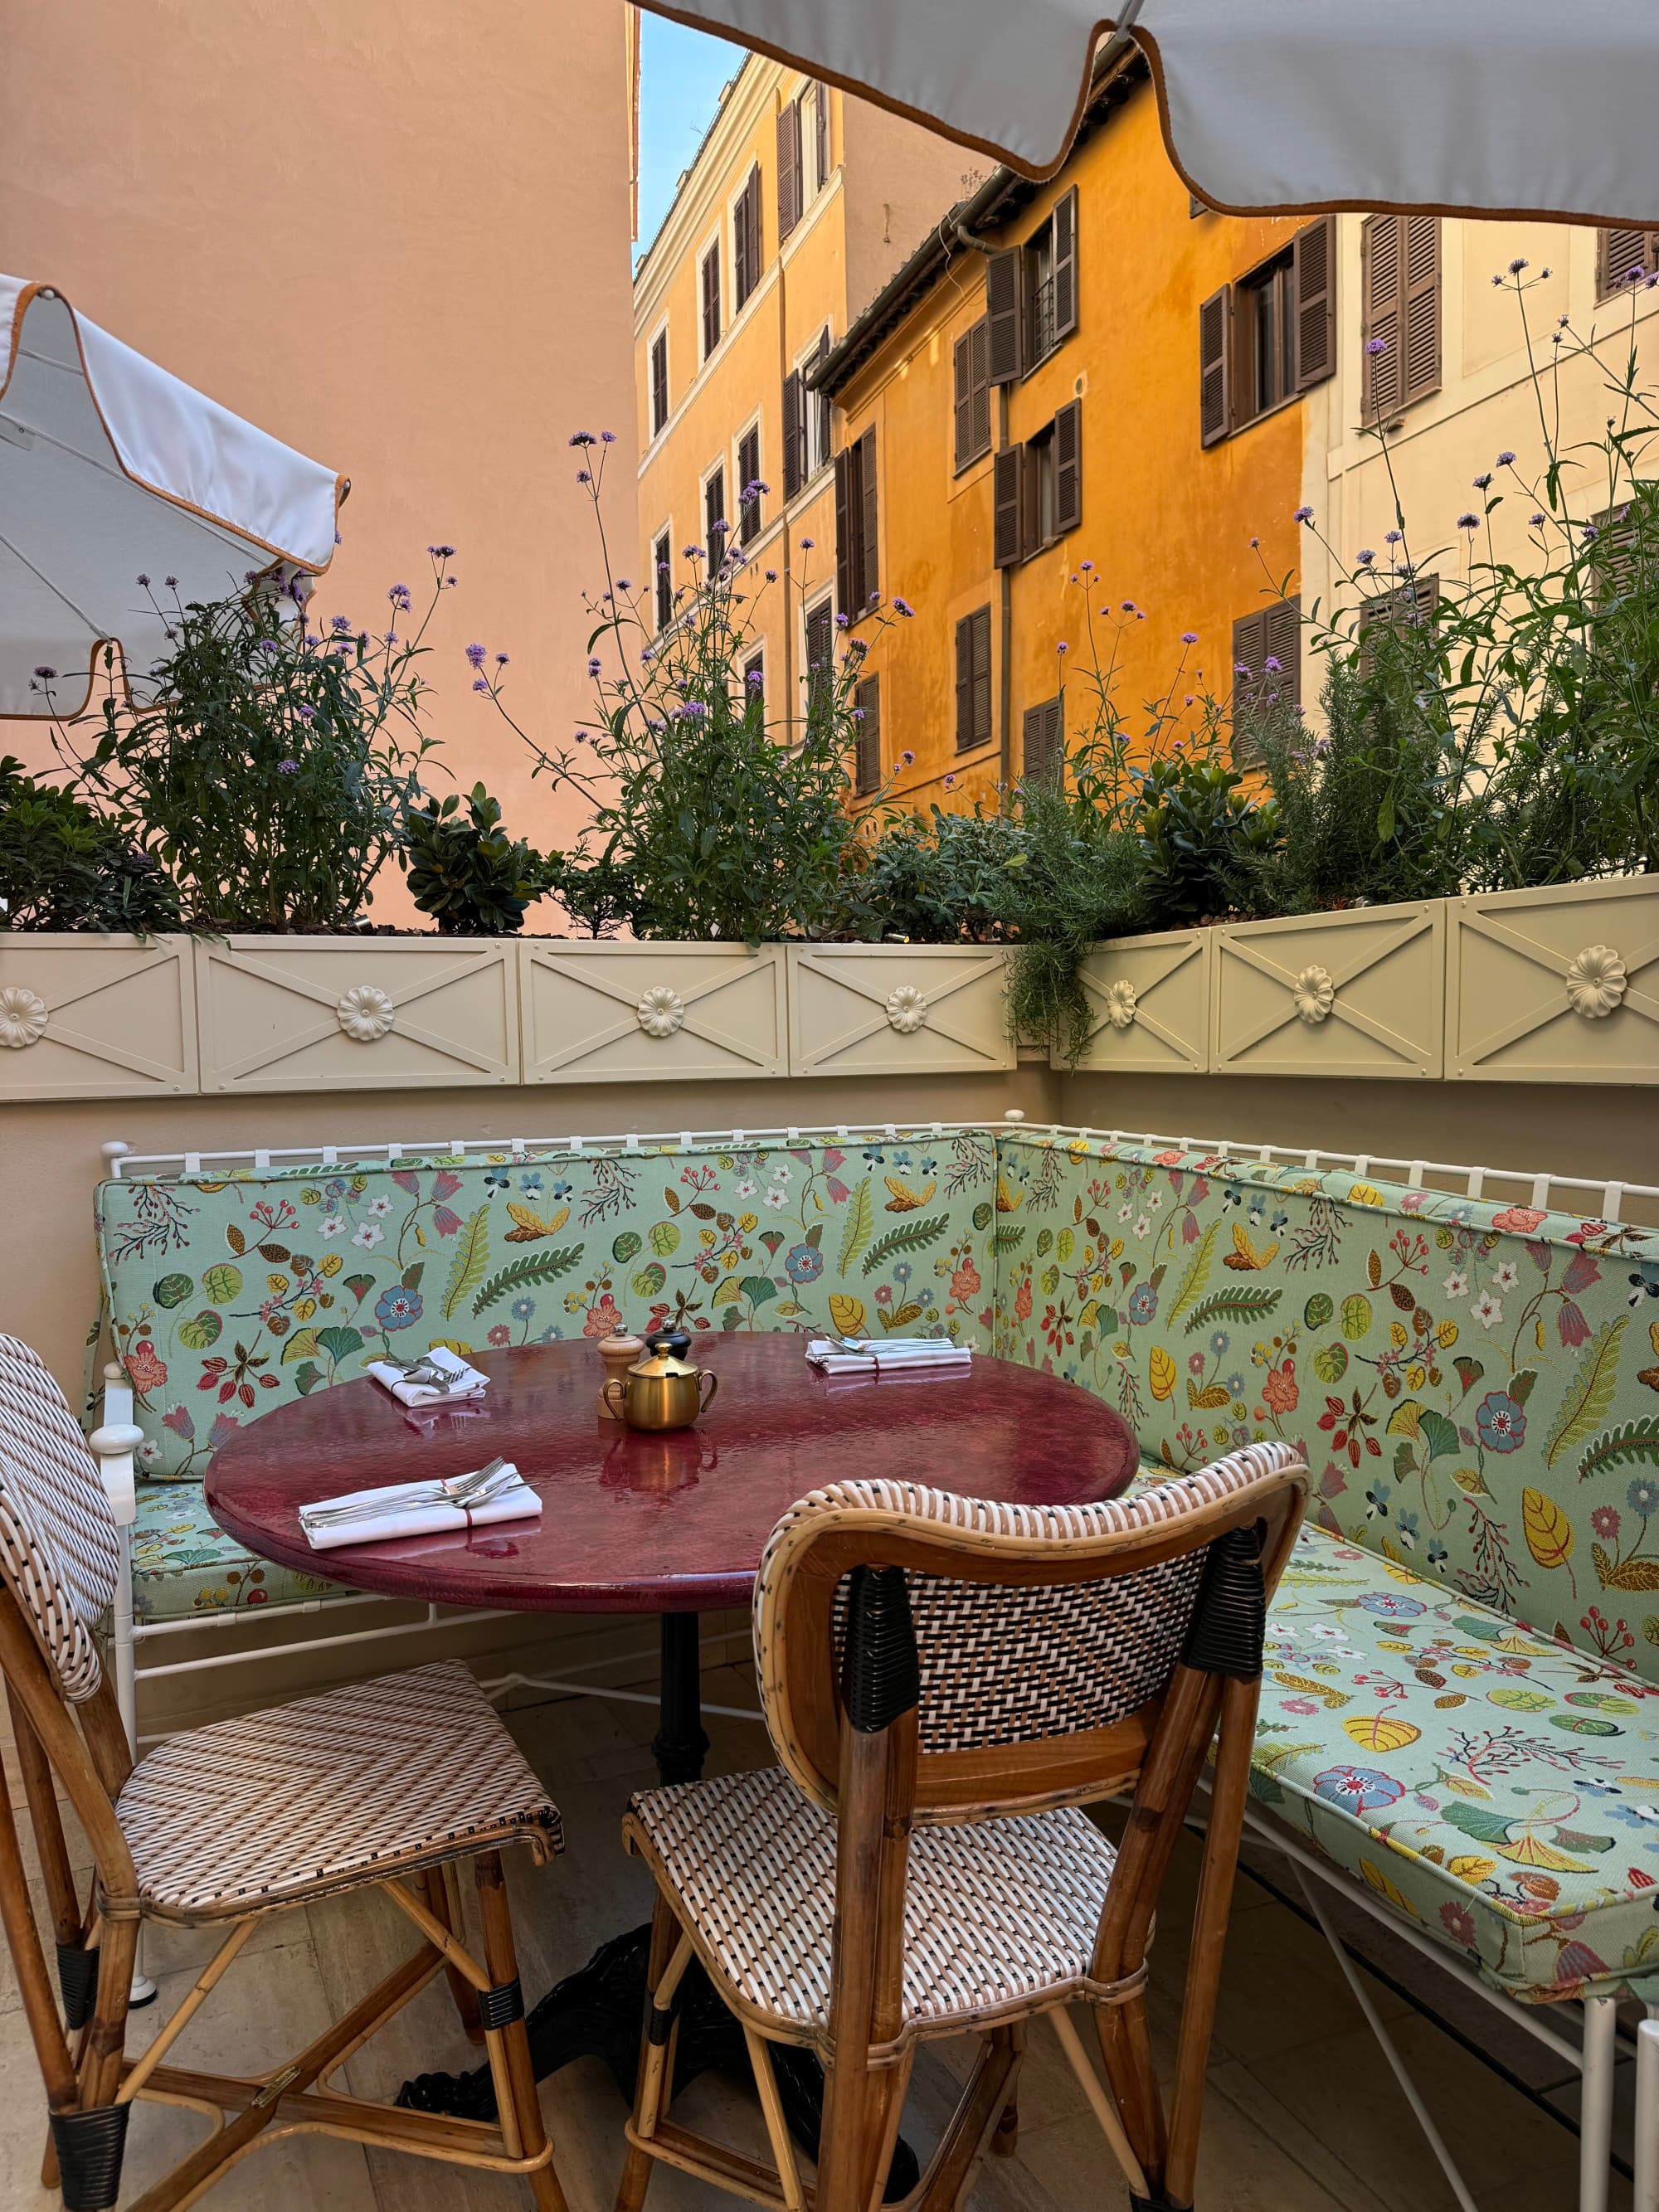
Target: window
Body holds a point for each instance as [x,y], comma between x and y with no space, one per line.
[1267,670]
[1038,489]
[1043,741]
[754,683]
[714,515]
[1619,254]
[820,139]
[1410,606]
[857,571]
[818,453]
[1269,335]
[1030,294]
[972,364]
[1400,318]
[805,419]
[974,680]
[749,495]
[866,760]
[663,566]
[659,383]
[711,299]
[1622,559]
[820,657]
[746,240]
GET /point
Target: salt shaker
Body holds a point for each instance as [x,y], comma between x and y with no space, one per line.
[618,1353]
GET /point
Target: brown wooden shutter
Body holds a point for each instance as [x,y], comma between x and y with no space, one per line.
[1619,252]
[983,676]
[846,470]
[1002,290]
[1282,642]
[711,299]
[1042,740]
[820,657]
[662,556]
[1066,262]
[965,682]
[1420,305]
[979,355]
[1005,530]
[1068,467]
[746,240]
[821,133]
[789,192]
[1215,320]
[794,430]
[1032,459]
[714,508]
[867,698]
[869,576]
[1054,733]
[961,373]
[1314,276]
[1249,652]
[1380,246]
[749,464]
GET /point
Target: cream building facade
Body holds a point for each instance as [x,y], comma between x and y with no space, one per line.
[798,205]
[1453,379]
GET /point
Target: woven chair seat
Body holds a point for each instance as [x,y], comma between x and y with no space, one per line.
[998,1917]
[357,1784]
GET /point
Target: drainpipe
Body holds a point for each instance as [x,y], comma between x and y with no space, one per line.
[788,609]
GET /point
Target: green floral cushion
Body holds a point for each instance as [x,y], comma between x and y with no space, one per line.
[1499,1789]
[183,1562]
[1476,1387]
[230,1296]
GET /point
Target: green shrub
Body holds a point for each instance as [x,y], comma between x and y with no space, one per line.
[64,866]
[465,871]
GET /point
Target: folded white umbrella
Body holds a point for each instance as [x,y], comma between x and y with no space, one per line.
[1522,107]
[111,468]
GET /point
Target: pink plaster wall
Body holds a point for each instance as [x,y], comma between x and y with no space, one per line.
[396,236]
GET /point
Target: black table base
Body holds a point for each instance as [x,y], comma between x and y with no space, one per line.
[597,2011]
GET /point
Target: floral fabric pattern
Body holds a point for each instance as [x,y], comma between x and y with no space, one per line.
[230,1296]
[1498,1789]
[1476,1387]
[184,1562]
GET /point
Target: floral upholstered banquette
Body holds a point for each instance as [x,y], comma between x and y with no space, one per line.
[1459,1706]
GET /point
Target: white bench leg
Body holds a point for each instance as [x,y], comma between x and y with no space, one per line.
[1595,2103]
[112,1445]
[1645,2196]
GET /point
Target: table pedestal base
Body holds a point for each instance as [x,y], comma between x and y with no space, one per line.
[596,2013]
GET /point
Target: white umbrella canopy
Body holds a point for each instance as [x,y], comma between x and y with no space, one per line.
[1518,107]
[111,468]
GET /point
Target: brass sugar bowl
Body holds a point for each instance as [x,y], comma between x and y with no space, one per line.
[663,1391]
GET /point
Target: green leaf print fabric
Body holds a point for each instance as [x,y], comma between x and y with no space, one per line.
[228,1296]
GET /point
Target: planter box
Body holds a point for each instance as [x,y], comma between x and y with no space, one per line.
[90,1016]
[355,1013]
[1359,993]
[1149,997]
[598,1012]
[1556,986]
[897,1009]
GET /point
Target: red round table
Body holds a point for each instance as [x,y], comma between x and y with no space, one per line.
[631,1523]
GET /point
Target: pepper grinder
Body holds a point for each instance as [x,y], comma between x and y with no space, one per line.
[618,1353]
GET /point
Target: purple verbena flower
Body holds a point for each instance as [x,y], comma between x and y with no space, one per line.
[1505,459]
[901,606]
[1393,537]
[607,437]
[1482,483]
[476,655]
[1376,345]
[500,660]
[399,597]
[1468,522]
[1519,263]
[142,582]
[305,713]
[595,666]
[1273,663]
[582,438]
[1536,521]
[45,673]
[481,683]
[1189,637]
[287,768]
[805,544]
[1364,558]
[1302,515]
[908,757]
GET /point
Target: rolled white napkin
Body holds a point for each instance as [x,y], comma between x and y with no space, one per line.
[412,1508]
[866,1356]
[468,1382]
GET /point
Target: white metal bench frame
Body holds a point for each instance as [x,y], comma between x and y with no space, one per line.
[1594,2054]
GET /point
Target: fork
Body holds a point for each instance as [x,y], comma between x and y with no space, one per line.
[464,1490]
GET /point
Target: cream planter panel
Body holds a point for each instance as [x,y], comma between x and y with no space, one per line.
[1149,1004]
[358,1013]
[897,1009]
[1556,986]
[95,1016]
[1359,993]
[598,1012]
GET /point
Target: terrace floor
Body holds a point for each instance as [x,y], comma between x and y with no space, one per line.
[1302,2116]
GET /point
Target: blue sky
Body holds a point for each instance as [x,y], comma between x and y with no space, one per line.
[681,73]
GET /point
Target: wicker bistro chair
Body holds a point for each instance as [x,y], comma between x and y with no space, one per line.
[947,1683]
[390,1784]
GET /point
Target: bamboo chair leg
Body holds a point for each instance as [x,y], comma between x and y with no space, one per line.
[1126,2051]
[637,2166]
[444,1904]
[777,2128]
[1229,1789]
[106,2040]
[892,2089]
[509,2047]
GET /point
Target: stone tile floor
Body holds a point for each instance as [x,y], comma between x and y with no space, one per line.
[1302,2113]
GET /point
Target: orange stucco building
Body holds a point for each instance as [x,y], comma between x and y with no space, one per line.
[398,239]
[1092,370]
[799,204]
